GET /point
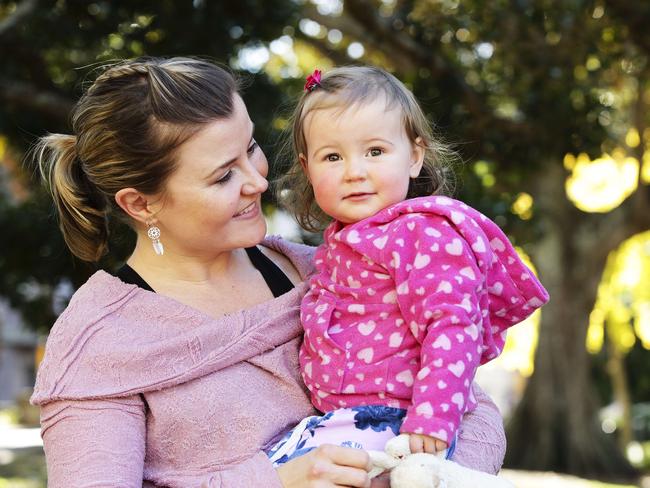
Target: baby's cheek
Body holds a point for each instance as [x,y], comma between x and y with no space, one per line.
[324,191]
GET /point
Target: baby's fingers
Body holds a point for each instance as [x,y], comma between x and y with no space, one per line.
[425,443]
[416,443]
[439,445]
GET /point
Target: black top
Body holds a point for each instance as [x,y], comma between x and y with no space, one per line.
[276,280]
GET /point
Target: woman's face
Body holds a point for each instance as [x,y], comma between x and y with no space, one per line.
[211,202]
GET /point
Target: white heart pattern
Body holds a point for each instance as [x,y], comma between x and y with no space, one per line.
[468,272]
[430,231]
[497,244]
[444,287]
[366,354]
[442,342]
[353,237]
[366,328]
[455,247]
[395,339]
[458,399]
[405,377]
[357,308]
[423,373]
[380,242]
[424,409]
[457,217]
[479,245]
[457,368]
[421,261]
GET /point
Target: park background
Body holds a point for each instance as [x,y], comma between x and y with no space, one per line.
[546,101]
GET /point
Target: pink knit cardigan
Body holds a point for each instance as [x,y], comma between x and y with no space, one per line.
[136,386]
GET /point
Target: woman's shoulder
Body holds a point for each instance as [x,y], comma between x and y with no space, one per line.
[93,310]
[92,303]
[301,256]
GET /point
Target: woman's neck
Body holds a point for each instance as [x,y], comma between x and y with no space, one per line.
[216,285]
[175,267]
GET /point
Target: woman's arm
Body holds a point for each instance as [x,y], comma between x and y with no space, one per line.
[481,439]
[94,443]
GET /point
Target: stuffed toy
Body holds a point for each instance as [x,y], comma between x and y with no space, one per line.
[427,470]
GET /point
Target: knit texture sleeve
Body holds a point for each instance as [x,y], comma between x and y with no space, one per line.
[101,443]
[481,443]
[94,443]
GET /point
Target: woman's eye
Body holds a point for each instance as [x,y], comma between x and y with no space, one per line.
[375,151]
[224,178]
[252,147]
[332,157]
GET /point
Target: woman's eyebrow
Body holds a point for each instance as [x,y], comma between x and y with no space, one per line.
[231,161]
[220,167]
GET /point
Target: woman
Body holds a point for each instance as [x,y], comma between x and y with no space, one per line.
[182,369]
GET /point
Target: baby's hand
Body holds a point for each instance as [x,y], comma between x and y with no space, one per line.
[425,443]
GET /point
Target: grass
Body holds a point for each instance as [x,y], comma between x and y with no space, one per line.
[23,468]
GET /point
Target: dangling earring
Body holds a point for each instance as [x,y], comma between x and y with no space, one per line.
[154,235]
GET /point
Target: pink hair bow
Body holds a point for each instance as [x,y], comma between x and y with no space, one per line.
[313,81]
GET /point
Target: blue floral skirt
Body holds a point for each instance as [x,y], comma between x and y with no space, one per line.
[366,427]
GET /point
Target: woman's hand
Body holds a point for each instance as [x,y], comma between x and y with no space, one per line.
[327,466]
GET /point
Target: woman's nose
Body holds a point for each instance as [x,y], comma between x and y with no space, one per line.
[255,181]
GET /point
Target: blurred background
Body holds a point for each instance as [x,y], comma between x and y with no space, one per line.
[548,103]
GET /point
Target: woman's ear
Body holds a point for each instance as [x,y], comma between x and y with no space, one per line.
[135,204]
[303,162]
[417,158]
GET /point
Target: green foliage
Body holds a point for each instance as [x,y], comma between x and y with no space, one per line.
[51,55]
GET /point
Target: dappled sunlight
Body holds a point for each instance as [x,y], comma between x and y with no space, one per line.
[622,308]
[603,184]
[523,206]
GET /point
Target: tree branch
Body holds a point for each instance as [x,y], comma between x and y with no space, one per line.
[22,12]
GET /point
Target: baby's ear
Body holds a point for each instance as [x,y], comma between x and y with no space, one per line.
[417,157]
[303,162]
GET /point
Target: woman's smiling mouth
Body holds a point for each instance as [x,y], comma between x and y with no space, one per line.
[249,211]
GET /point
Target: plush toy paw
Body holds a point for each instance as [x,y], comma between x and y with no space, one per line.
[423,470]
[398,447]
[381,462]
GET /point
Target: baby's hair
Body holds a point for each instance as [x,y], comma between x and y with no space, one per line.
[345,88]
[127,127]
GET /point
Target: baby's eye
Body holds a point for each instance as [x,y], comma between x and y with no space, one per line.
[332,157]
[375,151]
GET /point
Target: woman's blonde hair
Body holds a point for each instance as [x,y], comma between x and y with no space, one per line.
[346,88]
[126,128]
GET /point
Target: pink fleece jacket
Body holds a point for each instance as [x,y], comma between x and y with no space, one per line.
[406,304]
[136,386]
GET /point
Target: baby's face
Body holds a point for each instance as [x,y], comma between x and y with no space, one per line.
[359,160]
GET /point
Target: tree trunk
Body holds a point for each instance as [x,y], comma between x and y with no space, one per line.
[618,376]
[555,426]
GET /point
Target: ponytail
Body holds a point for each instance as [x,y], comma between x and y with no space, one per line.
[81,207]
